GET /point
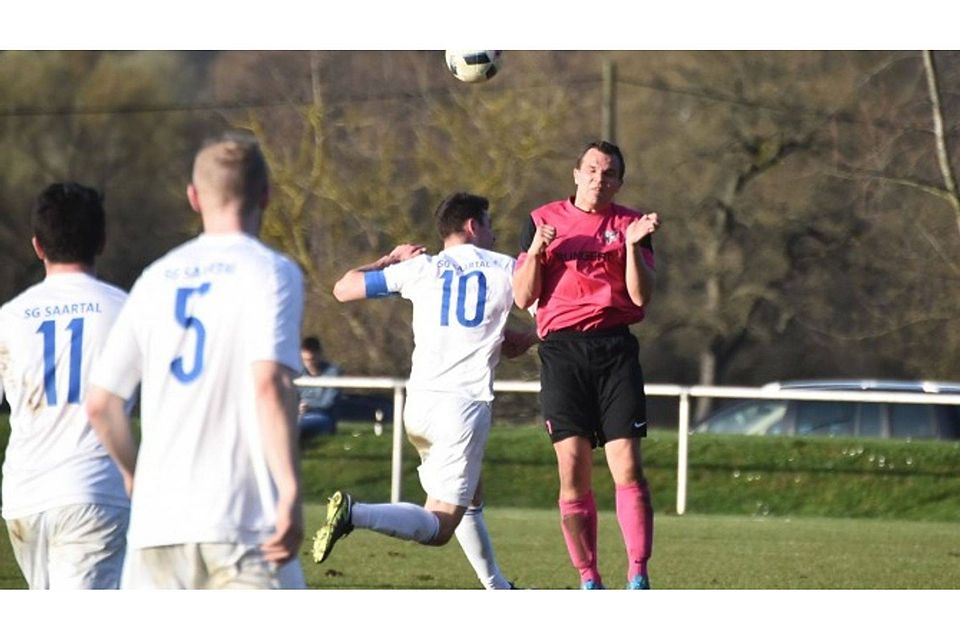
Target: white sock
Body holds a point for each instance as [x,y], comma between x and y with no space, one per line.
[474,539]
[399,520]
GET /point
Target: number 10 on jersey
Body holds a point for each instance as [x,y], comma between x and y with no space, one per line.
[462,283]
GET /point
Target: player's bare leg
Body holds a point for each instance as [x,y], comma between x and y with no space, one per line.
[634,507]
[578,510]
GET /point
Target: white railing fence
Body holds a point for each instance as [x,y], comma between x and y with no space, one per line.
[682,393]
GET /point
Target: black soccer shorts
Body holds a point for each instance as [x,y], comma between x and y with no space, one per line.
[592,385]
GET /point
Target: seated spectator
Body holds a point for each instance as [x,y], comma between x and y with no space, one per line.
[317,415]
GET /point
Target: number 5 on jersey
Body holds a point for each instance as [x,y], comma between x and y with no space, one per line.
[188,322]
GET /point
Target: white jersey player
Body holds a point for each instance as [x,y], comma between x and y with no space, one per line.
[63,498]
[211,333]
[461,300]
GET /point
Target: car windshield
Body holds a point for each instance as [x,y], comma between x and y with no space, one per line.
[911,421]
[825,418]
[759,417]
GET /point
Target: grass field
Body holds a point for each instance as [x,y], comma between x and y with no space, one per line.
[690,552]
[764,513]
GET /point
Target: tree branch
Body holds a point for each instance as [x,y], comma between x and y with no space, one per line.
[943,154]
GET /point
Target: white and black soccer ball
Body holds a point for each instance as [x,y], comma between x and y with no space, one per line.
[473,66]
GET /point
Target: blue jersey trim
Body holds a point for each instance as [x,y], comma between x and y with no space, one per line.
[376,284]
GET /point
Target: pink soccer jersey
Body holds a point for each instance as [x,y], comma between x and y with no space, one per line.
[584,282]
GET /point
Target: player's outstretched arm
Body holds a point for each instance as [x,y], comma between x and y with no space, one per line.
[109,420]
[276,401]
[353,284]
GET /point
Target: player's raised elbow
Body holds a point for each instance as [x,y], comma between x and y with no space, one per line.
[523,296]
[523,300]
[640,300]
[350,287]
[339,291]
[641,295]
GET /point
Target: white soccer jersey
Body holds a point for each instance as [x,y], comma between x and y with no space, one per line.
[461,299]
[196,321]
[49,337]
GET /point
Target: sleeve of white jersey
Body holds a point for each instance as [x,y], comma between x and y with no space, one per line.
[119,366]
[276,316]
[397,276]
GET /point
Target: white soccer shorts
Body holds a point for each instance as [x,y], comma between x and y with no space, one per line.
[450,434]
[79,546]
[208,565]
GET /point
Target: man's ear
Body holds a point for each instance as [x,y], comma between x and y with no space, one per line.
[193,197]
[37,249]
[470,228]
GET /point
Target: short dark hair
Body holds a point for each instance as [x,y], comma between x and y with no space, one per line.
[607,148]
[69,223]
[456,209]
[310,343]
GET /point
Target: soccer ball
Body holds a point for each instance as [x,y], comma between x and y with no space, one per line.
[473,66]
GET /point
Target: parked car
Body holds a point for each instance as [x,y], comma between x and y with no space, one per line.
[839,418]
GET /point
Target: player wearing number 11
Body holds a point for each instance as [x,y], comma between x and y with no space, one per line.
[211,332]
[461,299]
[63,497]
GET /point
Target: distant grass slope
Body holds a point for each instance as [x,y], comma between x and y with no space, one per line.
[743,475]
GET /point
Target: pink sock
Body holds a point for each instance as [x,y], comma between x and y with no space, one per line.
[579,525]
[635,515]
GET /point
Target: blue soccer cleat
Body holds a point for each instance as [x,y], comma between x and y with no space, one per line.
[639,583]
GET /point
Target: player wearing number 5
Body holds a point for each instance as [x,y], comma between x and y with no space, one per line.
[461,299]
[63,497]
[211,332]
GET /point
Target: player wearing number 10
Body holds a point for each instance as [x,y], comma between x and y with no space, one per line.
[211,331]
[461,299]
[63,497]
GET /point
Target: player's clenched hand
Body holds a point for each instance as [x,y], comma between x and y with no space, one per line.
[284,544]
[543,236]
[642,227]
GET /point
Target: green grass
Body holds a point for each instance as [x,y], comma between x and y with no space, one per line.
[690,552]
[745,475]
[763,513]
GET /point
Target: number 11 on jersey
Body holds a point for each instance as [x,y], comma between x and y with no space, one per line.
[49,331]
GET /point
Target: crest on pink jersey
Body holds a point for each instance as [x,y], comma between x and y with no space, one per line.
[610,236]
